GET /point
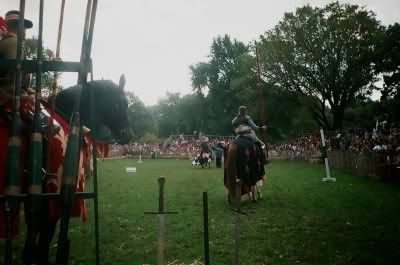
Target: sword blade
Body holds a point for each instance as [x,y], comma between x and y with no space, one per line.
[160,239]
[236,254]
[236,259]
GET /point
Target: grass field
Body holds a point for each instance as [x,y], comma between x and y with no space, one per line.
[300,220]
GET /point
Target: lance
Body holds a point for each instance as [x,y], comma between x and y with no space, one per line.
[94,157]
[261,103]
[72,153]
[67,192]
[238,212]
[206,239]
[54,90]
[161,222]
[34,181]
[12,185]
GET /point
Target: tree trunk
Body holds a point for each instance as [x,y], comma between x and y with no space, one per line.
[319,114]
[338,114]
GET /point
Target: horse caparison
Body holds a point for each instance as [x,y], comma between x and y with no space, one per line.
[243,160]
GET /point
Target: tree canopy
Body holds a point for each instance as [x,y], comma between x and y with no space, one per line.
[216,78]
[388,61]
[326,53]
[30,47]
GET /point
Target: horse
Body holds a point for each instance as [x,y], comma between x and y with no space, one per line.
[111,106]
[243,160]
[111,110]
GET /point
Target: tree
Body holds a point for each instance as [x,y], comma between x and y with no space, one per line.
[149,138]
[237,85]
[388,63]
[388,57]
[190,113]
[363,114]
[166,115]
[30,47]
[140,118]
[324,53]
[284,110]
[214,81]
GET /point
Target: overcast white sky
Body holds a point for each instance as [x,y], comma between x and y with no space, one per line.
[154,41]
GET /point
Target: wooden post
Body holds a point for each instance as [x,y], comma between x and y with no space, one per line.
[325,156]
[206,239]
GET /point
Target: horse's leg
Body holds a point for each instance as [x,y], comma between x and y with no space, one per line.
[261,171]
[231,171]
[259,194]
[253,164]
[254,193]
[228,200]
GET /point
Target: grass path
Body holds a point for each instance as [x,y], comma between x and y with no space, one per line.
[300,220]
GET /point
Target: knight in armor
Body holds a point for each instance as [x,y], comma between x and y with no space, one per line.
[244,126]
[8,50]
[204,143]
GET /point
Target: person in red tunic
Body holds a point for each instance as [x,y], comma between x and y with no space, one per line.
[3,27]
[8,50]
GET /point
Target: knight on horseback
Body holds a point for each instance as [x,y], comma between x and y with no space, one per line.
[244,159]
[245,127]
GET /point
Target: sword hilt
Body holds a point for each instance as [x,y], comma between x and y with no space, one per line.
[238,186]
[161,182]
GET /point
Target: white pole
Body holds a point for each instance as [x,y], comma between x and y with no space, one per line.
[140,159]
[327,170]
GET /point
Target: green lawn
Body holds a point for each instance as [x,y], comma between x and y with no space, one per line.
[300,219]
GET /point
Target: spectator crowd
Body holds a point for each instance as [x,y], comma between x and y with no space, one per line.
[383,141]
[367,151]
[302,148]
[176,146]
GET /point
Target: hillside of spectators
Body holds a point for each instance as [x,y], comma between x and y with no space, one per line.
[383,140]
[302,148]
[364,141]
[177,146]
